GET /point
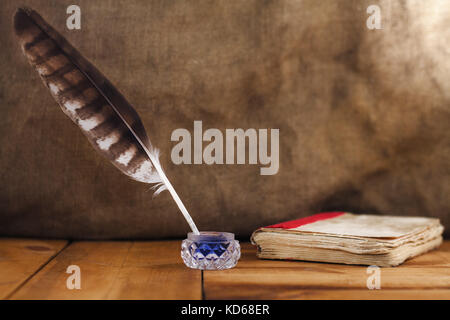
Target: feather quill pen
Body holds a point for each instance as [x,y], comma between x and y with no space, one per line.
[108,121]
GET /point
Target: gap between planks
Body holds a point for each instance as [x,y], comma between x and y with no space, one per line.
[154,270]
[116,270]
[21,259]
[8,297]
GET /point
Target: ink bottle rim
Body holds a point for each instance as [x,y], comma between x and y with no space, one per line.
[211,236]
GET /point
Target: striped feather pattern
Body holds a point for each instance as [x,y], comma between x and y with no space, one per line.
[109,122]
[72,82]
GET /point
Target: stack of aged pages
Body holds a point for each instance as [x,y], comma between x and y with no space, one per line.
[342,237]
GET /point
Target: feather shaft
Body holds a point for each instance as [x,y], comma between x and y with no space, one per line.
[165,180]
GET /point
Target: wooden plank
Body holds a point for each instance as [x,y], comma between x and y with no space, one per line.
[117,270]
[21,258]
[424,277]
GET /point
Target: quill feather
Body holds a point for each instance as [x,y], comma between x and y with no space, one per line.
[108,121]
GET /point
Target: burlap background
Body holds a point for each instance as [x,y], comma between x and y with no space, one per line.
[364,116]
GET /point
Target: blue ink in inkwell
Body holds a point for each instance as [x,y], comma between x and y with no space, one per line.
[210,250]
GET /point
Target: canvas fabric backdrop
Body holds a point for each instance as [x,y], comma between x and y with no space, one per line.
[363,114]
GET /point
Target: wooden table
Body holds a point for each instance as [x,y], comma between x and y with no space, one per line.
[36,269]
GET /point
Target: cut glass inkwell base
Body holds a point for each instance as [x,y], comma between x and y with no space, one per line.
[210,250]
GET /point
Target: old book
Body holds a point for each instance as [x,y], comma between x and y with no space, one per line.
[342,237]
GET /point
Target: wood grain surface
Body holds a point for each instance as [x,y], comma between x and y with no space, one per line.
[117,270]
[423,277]
[20,259]
[36,269]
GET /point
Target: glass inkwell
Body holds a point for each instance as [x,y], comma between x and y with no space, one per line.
[210,250]
[206,250]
